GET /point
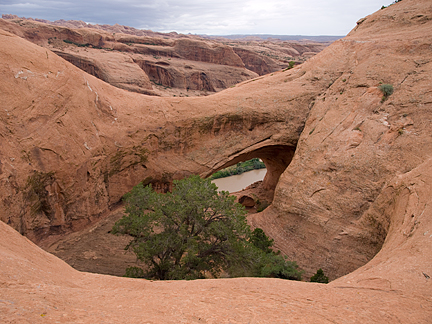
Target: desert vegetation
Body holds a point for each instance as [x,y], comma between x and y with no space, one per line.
[196,232]
[239,168]
[320,277]
[387,90]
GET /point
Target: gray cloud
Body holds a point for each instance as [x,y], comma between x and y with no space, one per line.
[307,17]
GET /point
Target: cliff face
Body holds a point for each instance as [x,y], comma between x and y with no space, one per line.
[355,141]
[254,62]
[154,63]
[73,145]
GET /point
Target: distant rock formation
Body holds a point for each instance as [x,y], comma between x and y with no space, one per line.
[155,63]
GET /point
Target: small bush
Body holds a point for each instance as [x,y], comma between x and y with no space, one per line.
[386,89]
[277,266]
[319,277]
[290,66]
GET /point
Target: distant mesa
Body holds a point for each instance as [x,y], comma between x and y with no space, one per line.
[271,37]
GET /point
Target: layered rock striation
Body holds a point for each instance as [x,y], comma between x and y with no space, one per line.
[155,63]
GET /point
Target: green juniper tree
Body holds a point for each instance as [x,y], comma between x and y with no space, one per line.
[193,231]
[272,264]
[186,233]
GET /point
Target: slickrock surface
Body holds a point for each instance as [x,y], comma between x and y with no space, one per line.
[354,142]
[395,287]
[351,174]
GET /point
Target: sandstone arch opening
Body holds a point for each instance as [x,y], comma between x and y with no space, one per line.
[242,176]
[275,157]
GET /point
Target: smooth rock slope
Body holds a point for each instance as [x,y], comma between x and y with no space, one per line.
[351,174]
[395,287]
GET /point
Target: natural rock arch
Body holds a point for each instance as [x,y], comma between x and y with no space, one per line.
[99,141]
[275,157]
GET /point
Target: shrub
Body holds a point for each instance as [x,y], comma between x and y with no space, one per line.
[319,277]
[386,89]
[277,266]
[290,66]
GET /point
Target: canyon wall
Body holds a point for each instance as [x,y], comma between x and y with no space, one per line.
[159,64]
[72,145]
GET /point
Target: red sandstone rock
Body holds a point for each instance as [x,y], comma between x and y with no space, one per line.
[358,183]
[191,64]
[38,287]
[247,201]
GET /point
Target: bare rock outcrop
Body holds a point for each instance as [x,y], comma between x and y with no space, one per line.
[116,55]
[36,286]
[114,68]
[257,63]
[349,167]
[207,52]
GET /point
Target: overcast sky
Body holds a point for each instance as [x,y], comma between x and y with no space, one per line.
[216,17]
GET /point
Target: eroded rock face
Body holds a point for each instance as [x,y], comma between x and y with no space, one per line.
[393,287]
[355,141]
[73,145]
[129,62]
[257,63]
[178,65]
[207,52]
[94,142]
[113,68]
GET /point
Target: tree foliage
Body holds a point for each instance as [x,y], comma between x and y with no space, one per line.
[319,277]
[239,168]
[260,240]
[195,231]
[277,266]
[186,233]
[272,264]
